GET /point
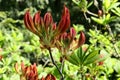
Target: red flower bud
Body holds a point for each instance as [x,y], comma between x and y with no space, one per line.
[72,33]
[29,22]
[54,26]
[65,21]
[63,36]
[48,21]
[81,39]
[36,19]
[100,13]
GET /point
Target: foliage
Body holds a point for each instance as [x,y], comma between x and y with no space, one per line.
[97,59]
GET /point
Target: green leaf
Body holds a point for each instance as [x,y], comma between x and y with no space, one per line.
[15,77]
[3,14]
[90,4]
[2,70]
[117,67]
[80,54]
[106,4]
[104,55]
[91,57]
[28,48]
[82,4]
[114,5]
[76,2]
[74,59]
[116,11]
[99,21]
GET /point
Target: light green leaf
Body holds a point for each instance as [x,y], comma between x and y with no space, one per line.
[114,5]
[116,11]
[3,14]
[106,4]
[91,57]
[99,21]
[74,59]
[117,67]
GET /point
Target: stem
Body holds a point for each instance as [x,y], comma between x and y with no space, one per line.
[86,17]
[62,65]
[113,39]
[82,74]
[93,14]
[62,78]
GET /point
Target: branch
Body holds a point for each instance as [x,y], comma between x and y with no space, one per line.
[62,77]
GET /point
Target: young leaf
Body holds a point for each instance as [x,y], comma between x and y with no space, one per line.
[91,57]
[99,21]
[74,59]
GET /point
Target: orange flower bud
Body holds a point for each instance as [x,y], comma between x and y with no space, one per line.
[29,72]
[22,67]
[16,68]
[49,77]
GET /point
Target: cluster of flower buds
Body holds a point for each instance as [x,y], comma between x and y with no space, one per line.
[45,28]
[27,72]
[68,41]
[49,77]
[52,35]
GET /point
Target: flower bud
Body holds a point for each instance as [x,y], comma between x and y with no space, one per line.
[22,67]
[54,26]
[48,20]
[36,19]
[72,33]
[65,21]
[29,22]
[16,68]
[81,39]
[49,77]
[100,13]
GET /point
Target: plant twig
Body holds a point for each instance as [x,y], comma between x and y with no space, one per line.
[62,77]
[81,72]
[113,39]
[62,65]
[93,14]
